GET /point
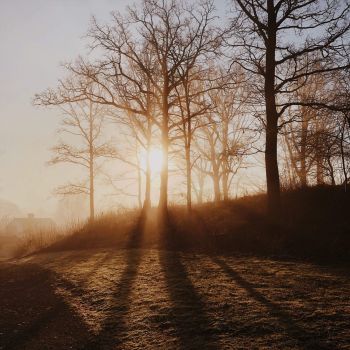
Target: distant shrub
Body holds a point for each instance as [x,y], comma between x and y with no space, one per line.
[37,240]
[109,229]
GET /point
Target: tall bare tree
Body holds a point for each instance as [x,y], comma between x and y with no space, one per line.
[300,129]
[283,42]
[83,121]
[235,138]
[193,103]
[224,139]
[208,144]
[178,34]
[156,38]
[141,133]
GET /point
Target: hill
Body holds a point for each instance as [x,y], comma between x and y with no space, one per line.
[315,225]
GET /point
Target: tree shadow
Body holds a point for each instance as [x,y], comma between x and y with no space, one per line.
[32,314]
[97,263]
[187,315]
[114,325]
[303,338]
[77,289]
[219,229]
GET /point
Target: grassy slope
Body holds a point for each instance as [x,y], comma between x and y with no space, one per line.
[315,226]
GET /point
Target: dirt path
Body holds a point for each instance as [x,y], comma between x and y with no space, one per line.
[150,299]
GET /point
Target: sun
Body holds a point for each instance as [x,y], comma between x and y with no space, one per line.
[155,160]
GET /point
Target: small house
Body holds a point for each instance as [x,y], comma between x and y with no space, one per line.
[30,224]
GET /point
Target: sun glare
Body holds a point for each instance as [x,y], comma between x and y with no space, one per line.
[155,160]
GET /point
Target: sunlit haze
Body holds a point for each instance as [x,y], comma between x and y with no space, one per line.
[174,174]
[37,36]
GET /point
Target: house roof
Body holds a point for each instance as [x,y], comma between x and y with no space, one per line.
[23,224]
[36,221]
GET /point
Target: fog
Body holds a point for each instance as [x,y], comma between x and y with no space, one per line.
[36,37]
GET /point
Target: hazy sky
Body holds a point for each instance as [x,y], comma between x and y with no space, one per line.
[36,36]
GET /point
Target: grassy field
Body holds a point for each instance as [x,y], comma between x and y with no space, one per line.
[220,278]
[157,299]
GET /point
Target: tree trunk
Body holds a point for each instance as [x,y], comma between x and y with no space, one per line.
[319,156]
[139,175]
[271,161]
[303,141]
[163,195]
[91,166]
[331,170]
[139,186]
[189,177]
[225,156]
[147,201]
[343,156]
[200,191]
[216,184]
[272,174]
[319,161]
[319,171]
[92,193]
[188,139]
[198,186]
[225,184]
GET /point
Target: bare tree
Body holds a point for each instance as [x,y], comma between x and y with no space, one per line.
[316,139]
[300,129]
[200,170]
[120,84]
[193,103]
[225,138]
[283,43]
[342,92]
[235,136]
[141,134]
[83,122]
[178,35]
[208,144]
[154,40]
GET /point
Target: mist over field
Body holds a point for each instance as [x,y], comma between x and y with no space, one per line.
[174,174]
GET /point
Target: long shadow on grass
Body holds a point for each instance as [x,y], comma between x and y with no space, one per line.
[42,317]
[303,338]
[114,327]
[31,313]
[77,289]
[187,315]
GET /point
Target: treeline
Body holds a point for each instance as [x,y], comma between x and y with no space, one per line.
[272,77]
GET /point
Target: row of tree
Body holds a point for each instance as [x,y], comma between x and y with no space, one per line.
[164,70]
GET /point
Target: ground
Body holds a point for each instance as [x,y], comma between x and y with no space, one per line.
[159,299]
